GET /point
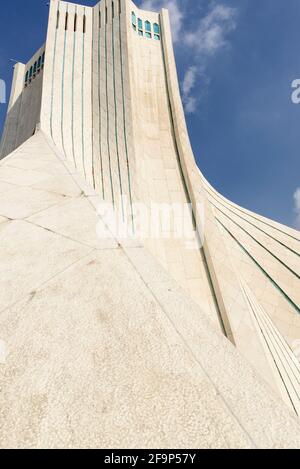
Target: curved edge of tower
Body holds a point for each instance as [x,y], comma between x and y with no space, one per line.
[96,117]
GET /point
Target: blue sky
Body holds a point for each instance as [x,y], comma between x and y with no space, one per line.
[236,61]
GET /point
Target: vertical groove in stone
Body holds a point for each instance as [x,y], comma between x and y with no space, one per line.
[124,124]
[73,92]
[63,87]
[99,102]
[107,111]
[82,96]
[116,116]
[53,69]
[202,251]
[92,101]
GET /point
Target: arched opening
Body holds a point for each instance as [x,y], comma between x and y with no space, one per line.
[156,31]
[148,29]
[140,27]
[156,28]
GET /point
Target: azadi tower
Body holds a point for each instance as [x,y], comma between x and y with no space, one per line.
[128,342]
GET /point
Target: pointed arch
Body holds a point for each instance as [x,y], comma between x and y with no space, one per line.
[156,31]
[156,28]
[148,29]
[140,27]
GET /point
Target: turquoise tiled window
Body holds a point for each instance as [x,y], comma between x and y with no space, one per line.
[148,29]
[133,20]
[145,28]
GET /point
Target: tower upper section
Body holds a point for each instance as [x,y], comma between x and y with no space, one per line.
[23,114]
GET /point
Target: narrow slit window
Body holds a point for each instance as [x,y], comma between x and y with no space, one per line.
[43,58]
[120,10]
[26,76]
[57,20]
[99,19]
[66,21]
[39,62]
[112,10]
[105,15]
[30,72]
[34,67]
[84,24]
[133,20]
[75,23]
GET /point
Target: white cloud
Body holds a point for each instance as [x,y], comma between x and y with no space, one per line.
[297,207]
[176,14]
[204,39]
[212,31]
[190,104]
[189,81]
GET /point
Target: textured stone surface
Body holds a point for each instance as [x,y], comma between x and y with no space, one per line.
[105,350]
[118,343]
